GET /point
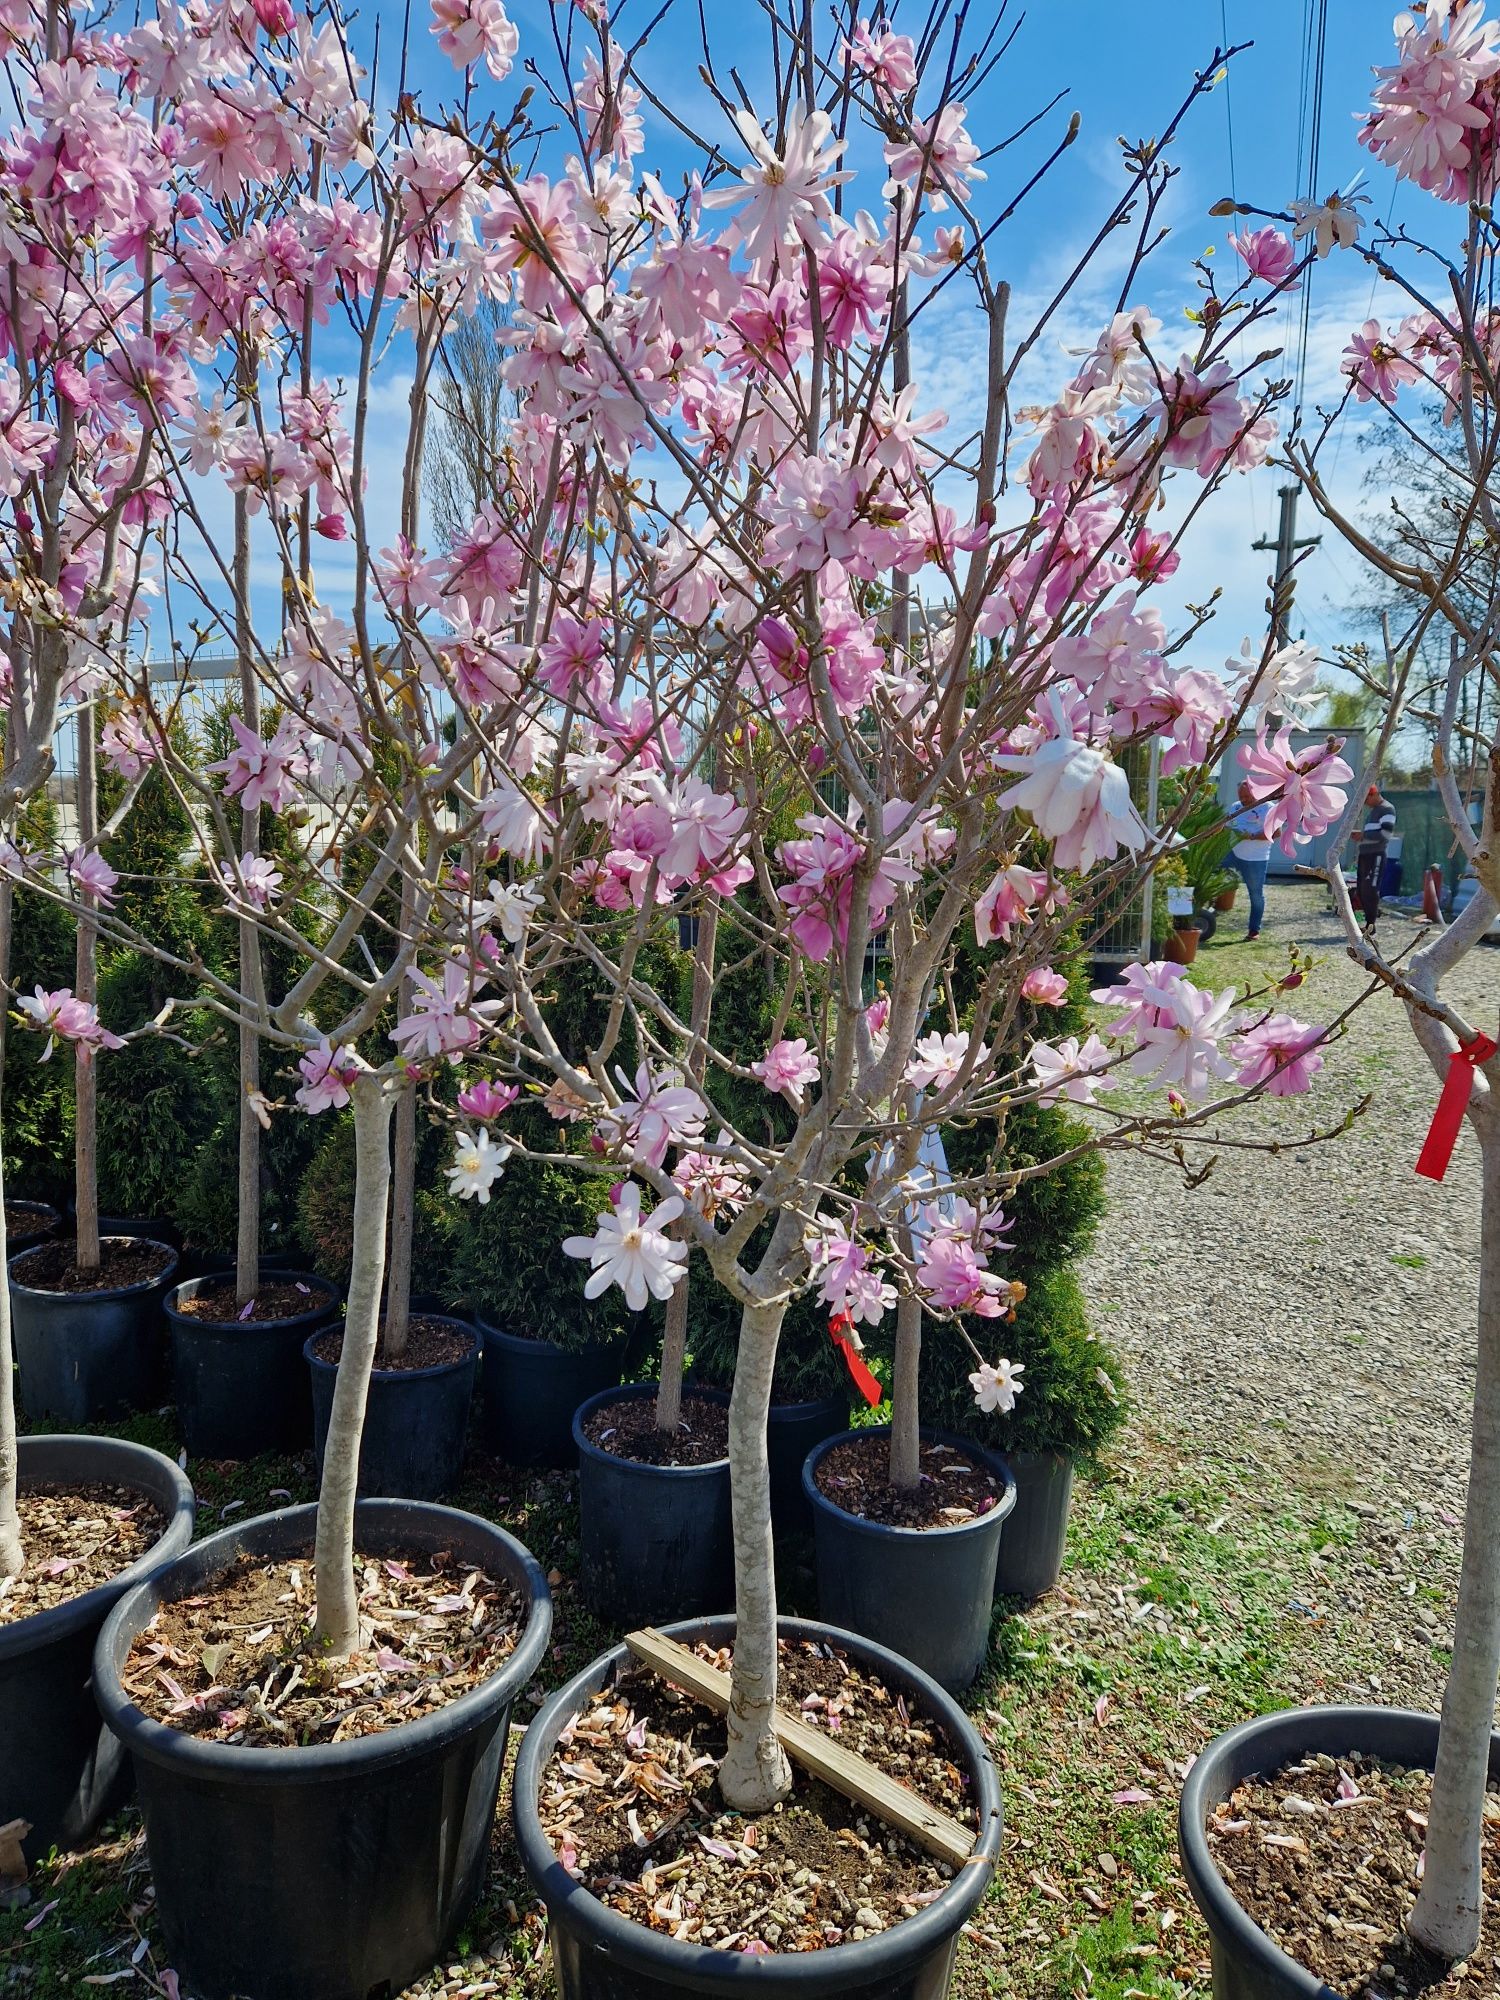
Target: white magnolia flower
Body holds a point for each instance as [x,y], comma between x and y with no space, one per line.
[1329,223]
[1078,797]
[938,1059]
[996,1389]
[511,908]
[632,1250]
[1067,1070]
[513,820]
[478,1162]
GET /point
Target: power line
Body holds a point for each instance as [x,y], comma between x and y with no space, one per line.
[1224,43]
[1316,55]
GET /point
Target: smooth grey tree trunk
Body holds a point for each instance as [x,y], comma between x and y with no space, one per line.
[252,977]
[1449,1908]
[755,1774]
[673,1358]
[86,987]
[336,1628]
[906,1413]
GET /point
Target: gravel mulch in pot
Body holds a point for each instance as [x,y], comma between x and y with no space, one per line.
[430,1343]
[216,1305]
[1325,1855]
[123,1261]
[955,1488]
[628,1429]
[234,1664]
[631,1807]
[76,1538]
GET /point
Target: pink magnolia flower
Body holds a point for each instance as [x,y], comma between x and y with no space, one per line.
[1152,557]
[60,1014]
[1045,986]
[811,510]
[1268,254]
[263,774]
[1426,120]
[848,1281]
[327,1073]
[1069,1070]
[127,745]
[1376,365]
[258,883]
[445,1019]
[1007,901]
[788,1066]
[91,875]
[632,1250]
[937,1060]
[996,1388]
[887,59]
[571,659]
[468,30]
[1304,785]
[782,197]
[1181,1047]
[1282,1053]
[713,1184]
[1145,993]
[939,157]
[658,1110]
[487,1101]
[952,1274]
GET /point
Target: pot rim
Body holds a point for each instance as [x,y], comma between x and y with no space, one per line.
[634,1392]
[59,1621]
[316,1361]
[702,1968]
[189,1288]
[994,1460]
[1334,1728]
[318,1762]
[163,1277]
[527,1343]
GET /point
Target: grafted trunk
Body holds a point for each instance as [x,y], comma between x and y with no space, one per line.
[906,1413]
[755,1774]
[1449,1908]
[336,1629]
[11,1554]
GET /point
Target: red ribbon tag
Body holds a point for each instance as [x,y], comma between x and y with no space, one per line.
[839,1329]
[1442,1134]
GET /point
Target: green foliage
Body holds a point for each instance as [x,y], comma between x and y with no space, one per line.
[506,1259]
[38,1092]
[808,1365]
[1073,1397]
[325,1206]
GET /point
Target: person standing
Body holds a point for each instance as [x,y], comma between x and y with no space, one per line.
[1251,854]
[1374,836]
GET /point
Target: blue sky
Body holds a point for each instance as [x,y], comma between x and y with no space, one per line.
[1125,69]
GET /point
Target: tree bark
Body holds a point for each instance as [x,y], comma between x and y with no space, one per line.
[86,987]
[252,977]
[906,1411]
[755,1774]
[404,1172]
[11,1554]
[336,1628]
[673,1358]
[1448,1910]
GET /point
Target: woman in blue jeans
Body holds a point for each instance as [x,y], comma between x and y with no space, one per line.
[1251,854]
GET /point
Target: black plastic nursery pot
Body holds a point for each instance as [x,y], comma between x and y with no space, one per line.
[240,1386]
[28,1223]
[655,1541]
[926,1593]
[83,1356]
[793,1431]
[1031,1549]
[1246,1964]
[416,1421]
[59,1768]
[529,1390]
[155,1228]
[598,1954]
[336,1871]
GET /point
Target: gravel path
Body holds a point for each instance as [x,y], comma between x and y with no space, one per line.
[1309,1314]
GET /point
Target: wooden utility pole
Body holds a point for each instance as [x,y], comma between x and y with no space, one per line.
[1286,546]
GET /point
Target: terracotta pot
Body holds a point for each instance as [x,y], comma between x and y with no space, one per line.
[1225,899]
[1182,947]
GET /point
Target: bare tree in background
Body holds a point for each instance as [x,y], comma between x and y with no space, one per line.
[473,407]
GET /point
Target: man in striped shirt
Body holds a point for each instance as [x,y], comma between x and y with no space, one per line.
[1380,824]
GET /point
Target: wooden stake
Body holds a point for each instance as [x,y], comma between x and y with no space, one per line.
[815,1751]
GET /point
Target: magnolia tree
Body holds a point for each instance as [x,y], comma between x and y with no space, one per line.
[1435,120]
[746,625]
